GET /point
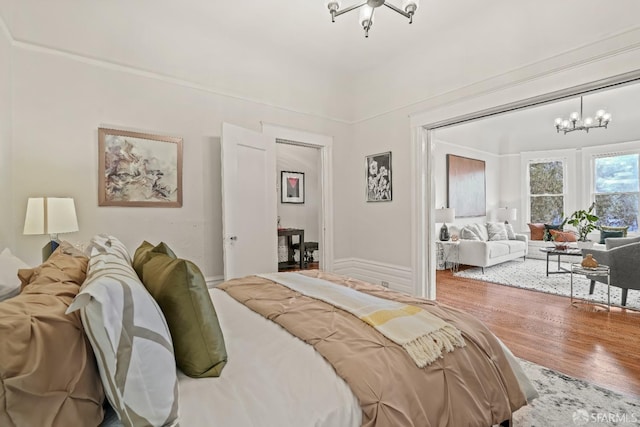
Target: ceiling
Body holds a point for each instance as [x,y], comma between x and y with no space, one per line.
[240,48]
[533,129]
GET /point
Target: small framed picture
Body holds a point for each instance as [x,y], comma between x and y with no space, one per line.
[378,173]
[292,187]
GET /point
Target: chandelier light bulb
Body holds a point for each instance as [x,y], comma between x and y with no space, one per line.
[574,116]
[606,118]
[588,121]
[600,114]
[558,121]
[565,124]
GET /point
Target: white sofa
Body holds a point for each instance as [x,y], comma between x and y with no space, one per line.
[485,253]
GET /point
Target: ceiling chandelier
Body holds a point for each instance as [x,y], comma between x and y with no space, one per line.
[409,8]
[577,122]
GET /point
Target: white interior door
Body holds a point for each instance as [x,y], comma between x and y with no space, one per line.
[249,202]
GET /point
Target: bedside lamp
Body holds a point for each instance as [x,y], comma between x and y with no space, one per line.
[52,216]
[506,214]
[444,215]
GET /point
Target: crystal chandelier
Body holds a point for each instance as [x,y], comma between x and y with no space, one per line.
[577,122]
[408,9]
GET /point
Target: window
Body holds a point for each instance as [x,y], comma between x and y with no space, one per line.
[546,191]
[616,189]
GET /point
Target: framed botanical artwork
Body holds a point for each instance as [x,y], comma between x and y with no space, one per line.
[292,187]
[378,173]
[139,169]
[466,186]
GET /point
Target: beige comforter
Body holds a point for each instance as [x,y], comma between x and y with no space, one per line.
[471,386]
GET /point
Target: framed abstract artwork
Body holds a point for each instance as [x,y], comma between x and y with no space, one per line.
[292,187]
[378,173]
[139,169]
[466,186]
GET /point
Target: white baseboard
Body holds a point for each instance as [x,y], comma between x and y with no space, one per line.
[213,281]
[398,277]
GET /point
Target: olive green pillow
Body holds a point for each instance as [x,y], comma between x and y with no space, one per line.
[146,251]
[180,290]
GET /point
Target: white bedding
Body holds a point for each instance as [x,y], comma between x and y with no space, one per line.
[271,379]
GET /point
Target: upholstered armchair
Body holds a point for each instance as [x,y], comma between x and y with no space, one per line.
[622,255]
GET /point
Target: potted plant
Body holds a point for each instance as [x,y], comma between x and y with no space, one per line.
[585,223]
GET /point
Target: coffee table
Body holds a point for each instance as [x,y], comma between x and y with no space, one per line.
[559,252]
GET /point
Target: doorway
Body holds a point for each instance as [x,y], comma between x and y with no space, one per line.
[299,202]
[320,147]
[424,252]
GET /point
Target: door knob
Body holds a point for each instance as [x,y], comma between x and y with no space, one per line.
[234,238]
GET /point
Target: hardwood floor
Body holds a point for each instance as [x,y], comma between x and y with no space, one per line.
[596,346]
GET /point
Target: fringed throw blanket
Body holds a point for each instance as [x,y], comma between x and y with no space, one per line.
[471,386]
[423,335]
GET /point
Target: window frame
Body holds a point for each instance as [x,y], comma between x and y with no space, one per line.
[564,194]
[592,179]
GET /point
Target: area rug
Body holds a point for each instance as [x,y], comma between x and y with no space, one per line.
[531,274]
[567,401]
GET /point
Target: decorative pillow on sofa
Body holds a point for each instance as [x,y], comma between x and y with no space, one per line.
[467,233]
[48,370]
[9,266]
[610,228]
[537,231]
[609,231]
[497,231]
[180,290]
[474,232]
[605,234]
[510,233]
[130,336]
[547,231]
[562,236]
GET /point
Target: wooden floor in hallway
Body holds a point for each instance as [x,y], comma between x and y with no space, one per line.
[597,346]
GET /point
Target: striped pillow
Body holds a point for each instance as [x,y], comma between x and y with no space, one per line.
[130,338]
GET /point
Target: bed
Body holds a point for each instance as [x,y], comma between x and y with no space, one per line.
[273,378]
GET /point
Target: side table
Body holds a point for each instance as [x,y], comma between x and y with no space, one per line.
[448,255]
[599,271]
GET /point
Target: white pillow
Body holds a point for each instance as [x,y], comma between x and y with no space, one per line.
[497,231]
[510,233]
[469,233]
[9,266]
[126,328]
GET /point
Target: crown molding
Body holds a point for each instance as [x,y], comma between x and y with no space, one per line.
[614,45]
[154,75]
[608,47]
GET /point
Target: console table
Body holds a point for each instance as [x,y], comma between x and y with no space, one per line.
[288,233]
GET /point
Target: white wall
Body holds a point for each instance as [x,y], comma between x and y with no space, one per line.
[492,177]
[61,101]
[6,234]
[296,158]
[380,231]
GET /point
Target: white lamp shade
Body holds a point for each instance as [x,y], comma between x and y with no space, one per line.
[50,215]
[444,215]
[506,214]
